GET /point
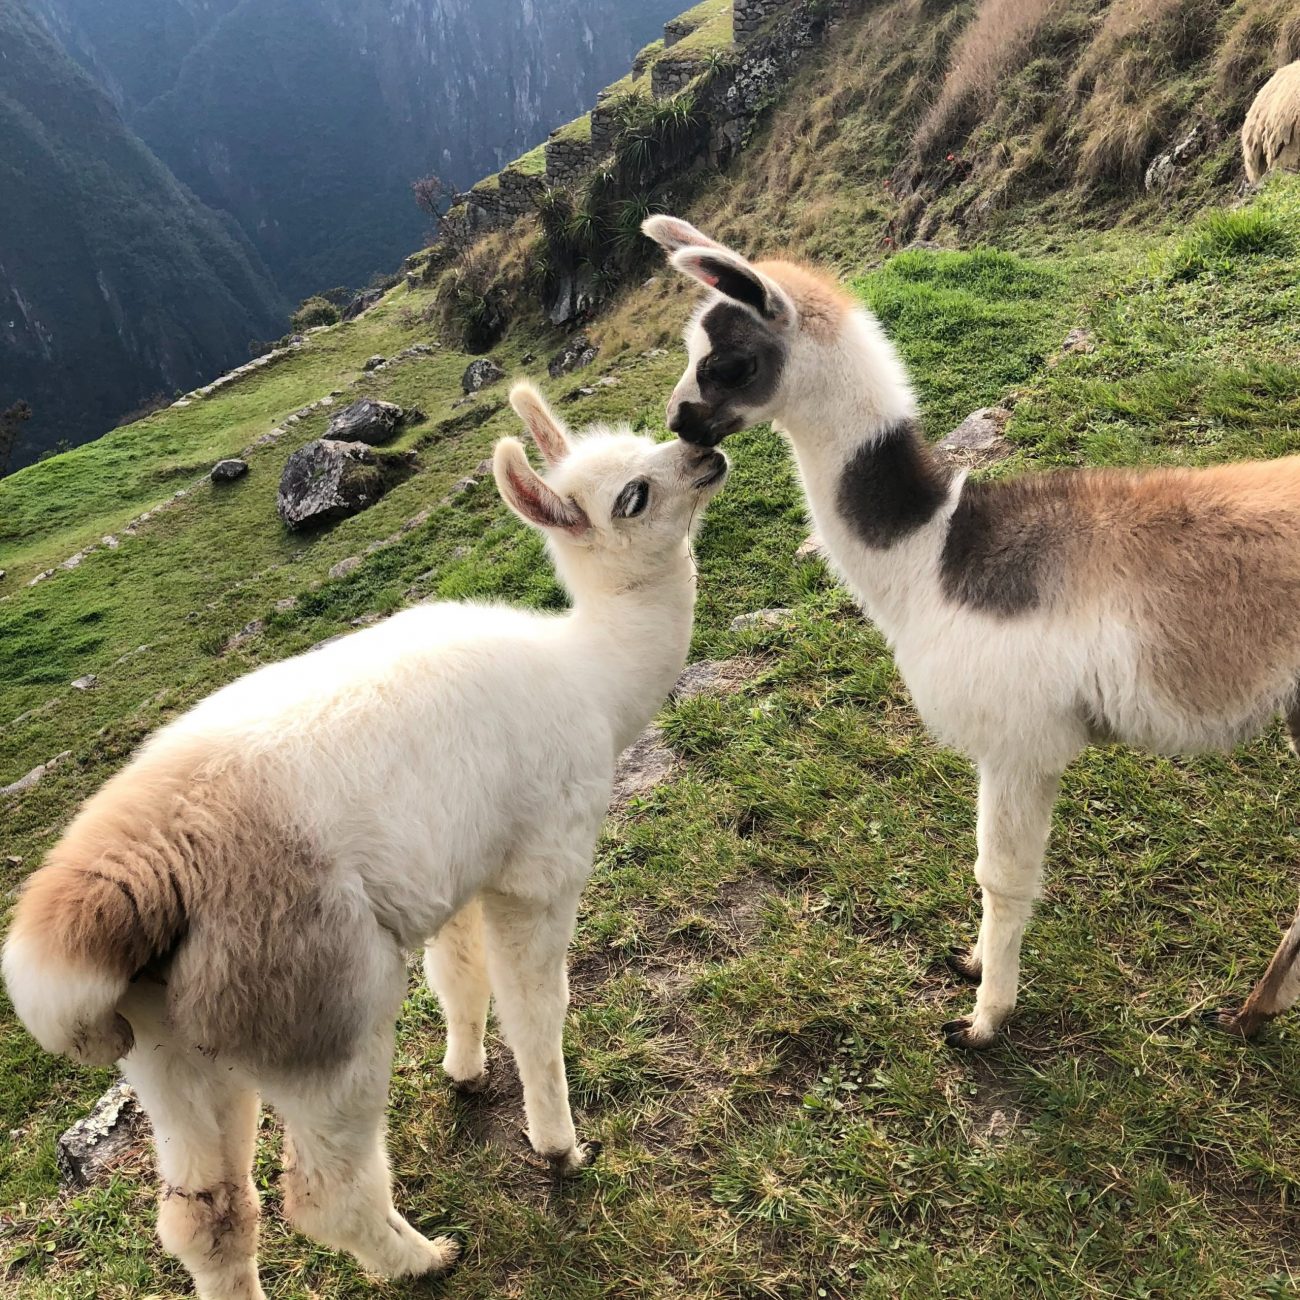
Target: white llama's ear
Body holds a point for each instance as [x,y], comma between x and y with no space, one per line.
[731,275]
[673,233]
[549,434]
[523,490]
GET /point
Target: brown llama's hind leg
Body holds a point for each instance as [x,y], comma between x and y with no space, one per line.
[1277,990]
[1293,725]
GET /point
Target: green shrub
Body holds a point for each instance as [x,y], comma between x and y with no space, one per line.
[316,310]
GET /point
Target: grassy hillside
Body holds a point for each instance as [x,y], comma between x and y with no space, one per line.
[757,977]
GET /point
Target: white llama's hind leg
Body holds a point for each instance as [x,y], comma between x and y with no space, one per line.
[455,965]
[205,1126]
[336,1182]
[1015,818]
[527,948]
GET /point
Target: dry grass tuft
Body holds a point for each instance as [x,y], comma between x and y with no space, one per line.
[1123,83]
[1000,35]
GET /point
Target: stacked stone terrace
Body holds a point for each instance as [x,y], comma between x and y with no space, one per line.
[759,58]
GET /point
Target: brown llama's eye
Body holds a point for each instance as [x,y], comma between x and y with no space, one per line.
[730,372]
[632,499]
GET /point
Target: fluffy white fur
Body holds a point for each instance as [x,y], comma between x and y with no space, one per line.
[450,769]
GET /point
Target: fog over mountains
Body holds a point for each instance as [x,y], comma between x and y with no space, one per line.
[177,173]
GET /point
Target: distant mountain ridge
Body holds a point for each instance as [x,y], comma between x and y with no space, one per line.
[177,173]
[307,120]
[116,282]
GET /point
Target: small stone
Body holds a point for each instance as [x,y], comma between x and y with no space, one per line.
[13,860]
[2,575]
[86,683]
[710,677]
[38,773]
[373,363]
[978,439]
[286,604]
[1079,340]
[344,567]
[577,352]
[108,540]
[114,1127]
[246,633]
[228,470]
[41,577]
[777,616]
[810,548]
[479,374]
[646,763]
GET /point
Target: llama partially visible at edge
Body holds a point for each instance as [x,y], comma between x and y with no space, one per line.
[1030,616]
[229,914]
[1270,135]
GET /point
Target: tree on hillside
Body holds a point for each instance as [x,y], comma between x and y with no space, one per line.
[433,195]
[11,421]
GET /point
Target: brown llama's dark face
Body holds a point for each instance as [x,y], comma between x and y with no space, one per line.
[732,377]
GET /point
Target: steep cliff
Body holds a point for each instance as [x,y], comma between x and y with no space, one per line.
[115,281]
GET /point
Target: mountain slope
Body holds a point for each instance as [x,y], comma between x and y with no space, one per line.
[115,282]
[307,120]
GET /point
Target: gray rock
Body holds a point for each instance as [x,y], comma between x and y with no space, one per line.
[344,567]
[577,352]
[2,575]
[710,677]
[228,470]
[361,303]
[373,363]
[254,627]
[1079,340]
[36,774]
[810,548]
[646,763]
[115,1126]
[778,616]
[332,480]
[1160,171]
[978,439]
[479,374]
[86,683]
[366,420]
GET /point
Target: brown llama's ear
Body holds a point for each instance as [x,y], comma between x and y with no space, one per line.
[524,491]
[733,277]
[673,233]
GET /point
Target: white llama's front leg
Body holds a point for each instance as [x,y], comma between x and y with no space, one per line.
[455,965]
[1015,818]
[527,946]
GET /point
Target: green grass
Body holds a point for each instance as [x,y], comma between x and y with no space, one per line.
[533,163]
[757,983]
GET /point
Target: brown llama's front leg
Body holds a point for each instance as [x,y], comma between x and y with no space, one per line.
[1015,818]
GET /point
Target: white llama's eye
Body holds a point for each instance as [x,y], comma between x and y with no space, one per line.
[632,499]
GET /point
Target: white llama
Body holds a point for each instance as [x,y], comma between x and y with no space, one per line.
[229,914]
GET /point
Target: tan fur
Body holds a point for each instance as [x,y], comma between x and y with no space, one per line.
[822,304]
[1270,135]
[1209,560]
[179,871]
